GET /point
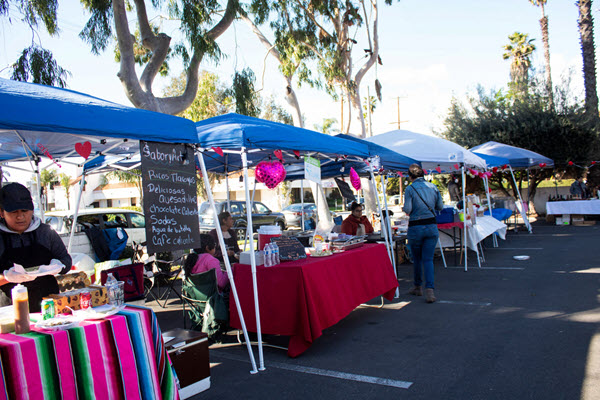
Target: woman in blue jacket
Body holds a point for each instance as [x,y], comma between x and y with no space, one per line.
[421,198]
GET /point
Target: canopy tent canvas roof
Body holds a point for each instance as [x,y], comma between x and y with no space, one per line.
[41,121]
[232,132]
[431,151]
[517,157]
[493,161]
[388,159]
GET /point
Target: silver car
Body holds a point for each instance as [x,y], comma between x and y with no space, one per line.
[293,214]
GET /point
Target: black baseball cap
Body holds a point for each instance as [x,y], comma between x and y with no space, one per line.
[14,196]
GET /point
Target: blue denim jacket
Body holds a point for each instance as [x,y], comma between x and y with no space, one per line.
[414,206]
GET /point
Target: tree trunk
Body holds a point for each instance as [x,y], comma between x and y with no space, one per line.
[588,49]
[546,41]
[139,90]
[290,93]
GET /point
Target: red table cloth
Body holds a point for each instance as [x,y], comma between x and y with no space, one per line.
[302,298]
[119,357]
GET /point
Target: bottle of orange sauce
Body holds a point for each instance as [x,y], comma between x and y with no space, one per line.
[20,299]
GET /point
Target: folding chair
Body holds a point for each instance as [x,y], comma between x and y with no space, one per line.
[198,292]
[166,273]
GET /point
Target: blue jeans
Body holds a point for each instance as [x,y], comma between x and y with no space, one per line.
[422,240]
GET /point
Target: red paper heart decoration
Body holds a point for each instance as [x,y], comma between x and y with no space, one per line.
[542,164]
[278,154]
[400,174]
[504,166]
[296,153]
[456,166]
[425,171]
[489,190]
[83,149]
[495,169]
[271,173]
[354,179]
[570,163]
[593,162]
[438,169]
[218,150]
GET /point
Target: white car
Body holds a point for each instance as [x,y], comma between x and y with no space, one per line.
[132,221]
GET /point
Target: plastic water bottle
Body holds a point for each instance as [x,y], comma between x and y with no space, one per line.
[111,286]
[268,253]
[275,253]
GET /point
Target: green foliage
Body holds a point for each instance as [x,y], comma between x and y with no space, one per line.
[97,31]
[563,133]
[32,11]
[328,126]
[393,186]
[519,51]
[37,65]
[272,111]
[246,98]
[211,100]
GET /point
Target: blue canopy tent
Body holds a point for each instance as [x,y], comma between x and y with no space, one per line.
[246,140]
[517,157]
[233,132]
[39,121]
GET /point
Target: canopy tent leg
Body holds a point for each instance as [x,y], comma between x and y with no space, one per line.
[464,230]
[249,239]
[486,186]
[76,212]
[250,233]
[39,190]
[524,215]
[226,260]
[384,229]
[227,183]
[442,252]
[302,204]
[390,236]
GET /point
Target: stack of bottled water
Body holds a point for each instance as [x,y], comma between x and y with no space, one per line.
[271,254]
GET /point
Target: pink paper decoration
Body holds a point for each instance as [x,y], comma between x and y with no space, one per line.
[456,166]
[542,164]
[354,179]
[438,169]
[570,163]
[218,150]
[271,173]
[83,149]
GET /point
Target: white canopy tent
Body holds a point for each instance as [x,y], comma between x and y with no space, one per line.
[434,153]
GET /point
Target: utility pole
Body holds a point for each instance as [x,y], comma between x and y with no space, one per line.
[398,122]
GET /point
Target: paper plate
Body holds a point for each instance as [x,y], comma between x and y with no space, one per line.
[98,312]
[57,324]
[521,258]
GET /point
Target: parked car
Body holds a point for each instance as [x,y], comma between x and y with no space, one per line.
[132,221]
[349,202]
[293,214]
[261,215]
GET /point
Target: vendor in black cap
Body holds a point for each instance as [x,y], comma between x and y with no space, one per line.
[25,240]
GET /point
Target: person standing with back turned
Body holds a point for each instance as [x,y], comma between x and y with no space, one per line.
[421,198]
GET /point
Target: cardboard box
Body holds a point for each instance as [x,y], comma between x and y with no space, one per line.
[188,351]
[584,223]
[576,218]
[72,299]
[563,220]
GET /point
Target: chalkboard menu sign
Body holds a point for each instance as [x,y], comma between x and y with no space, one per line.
[290,248]
[170,202]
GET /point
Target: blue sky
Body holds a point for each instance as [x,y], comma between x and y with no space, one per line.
[431,50]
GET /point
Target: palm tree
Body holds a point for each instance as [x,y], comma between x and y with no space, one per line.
[47,177]
[519,50]
[588,50]
[545,40]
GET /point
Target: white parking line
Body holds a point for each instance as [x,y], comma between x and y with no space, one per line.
[514,248]
[464,303]
[324,372]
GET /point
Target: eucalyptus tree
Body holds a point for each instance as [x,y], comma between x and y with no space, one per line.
[200,23]
[325,33]
[588,51]
[546,41]
[519,51]
[35,64]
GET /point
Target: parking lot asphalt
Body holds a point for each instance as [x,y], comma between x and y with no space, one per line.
[509,330]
